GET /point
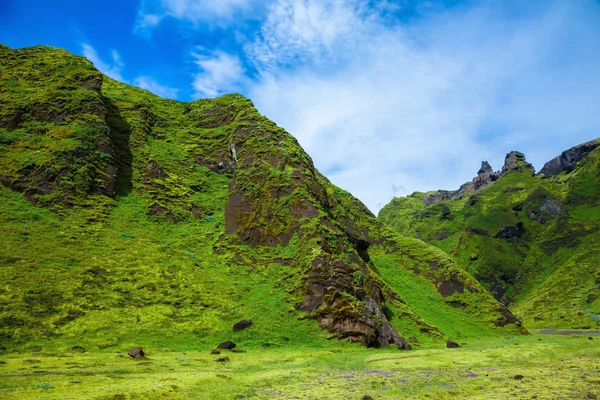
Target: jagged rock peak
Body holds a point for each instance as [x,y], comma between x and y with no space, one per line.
[568,159]
[485,167]
[515,162]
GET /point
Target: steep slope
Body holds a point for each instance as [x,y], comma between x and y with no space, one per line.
[130,217]
[531,239]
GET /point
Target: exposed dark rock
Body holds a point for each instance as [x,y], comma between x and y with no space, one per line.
[136,352]
[541,207]
[223,359]
[457,304]
[477,231]
[447,286]
[78,348]
[516,162]
[518,377]
[568,160]
[367,397]
[266,345]
[513,233]
[485,167]
[243,324]
[93,84]
[437,197]
[226,345]
[451,344]
[442,235]
[215,351]
[485,176]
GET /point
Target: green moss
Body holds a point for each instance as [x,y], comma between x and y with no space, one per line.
[129,217]
[539,273]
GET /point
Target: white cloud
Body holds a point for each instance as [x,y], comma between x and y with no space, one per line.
[219,73]
[385,109]
[212,12]
[112,69]
[148,83]
[301,31]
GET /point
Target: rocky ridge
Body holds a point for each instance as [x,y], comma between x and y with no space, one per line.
[513,162]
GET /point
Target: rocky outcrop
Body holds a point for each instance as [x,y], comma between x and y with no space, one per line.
[568,159]
[515,162]
[485,176]
[438,197]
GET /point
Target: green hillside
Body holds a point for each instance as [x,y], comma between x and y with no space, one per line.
[532,239]
[130,219]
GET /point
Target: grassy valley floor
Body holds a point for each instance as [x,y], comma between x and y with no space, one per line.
[538,366]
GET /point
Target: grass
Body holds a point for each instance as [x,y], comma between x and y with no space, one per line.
[552,367]
[548,274]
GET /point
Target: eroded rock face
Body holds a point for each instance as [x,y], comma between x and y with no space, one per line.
[568,160]
[275,195]
[485,176]
[515,162]
[485,168]
[438,197]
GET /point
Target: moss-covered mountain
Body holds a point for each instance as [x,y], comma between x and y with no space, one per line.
[532,239]
[129,218]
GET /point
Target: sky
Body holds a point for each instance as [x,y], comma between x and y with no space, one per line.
[387,97]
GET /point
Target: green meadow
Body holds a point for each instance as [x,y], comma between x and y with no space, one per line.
[551,366]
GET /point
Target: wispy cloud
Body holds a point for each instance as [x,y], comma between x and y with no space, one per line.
[219,73]
[386,108]
[148,83]
[216,13]
[112,68]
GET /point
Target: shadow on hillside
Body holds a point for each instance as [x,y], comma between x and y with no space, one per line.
[120,133]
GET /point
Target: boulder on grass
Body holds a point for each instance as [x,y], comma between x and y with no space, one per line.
[243,324]
[451,344]
[136,352]
[227,345]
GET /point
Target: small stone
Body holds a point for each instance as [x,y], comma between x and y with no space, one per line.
[223,359]
[215,351]
[266,345]
[519,377]
[590,338]
[451,344]
[367,398]
[238,350]
[136,352]
[78,348]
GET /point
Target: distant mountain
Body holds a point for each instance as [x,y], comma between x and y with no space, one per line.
[532,239]
[129,218]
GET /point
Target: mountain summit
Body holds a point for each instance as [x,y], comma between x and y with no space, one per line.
[129,216]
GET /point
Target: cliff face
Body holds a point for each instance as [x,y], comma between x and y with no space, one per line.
[185,217]
[520,234]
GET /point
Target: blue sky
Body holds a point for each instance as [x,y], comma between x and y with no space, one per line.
[388,97]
